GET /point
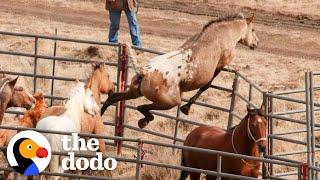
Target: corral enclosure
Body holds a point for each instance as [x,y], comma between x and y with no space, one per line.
[288,74]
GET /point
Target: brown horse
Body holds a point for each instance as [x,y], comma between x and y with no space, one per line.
[29,120]
[248,138]
[190,67]
[99,83]
[11,96]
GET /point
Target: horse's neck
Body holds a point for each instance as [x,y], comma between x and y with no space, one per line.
[95,88]
[215,38]
[75,110]
[242,142]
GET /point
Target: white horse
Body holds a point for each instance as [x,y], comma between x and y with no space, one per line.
[81,99]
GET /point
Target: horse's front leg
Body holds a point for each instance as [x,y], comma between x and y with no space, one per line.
[165,102]
[186,108]
[132,93]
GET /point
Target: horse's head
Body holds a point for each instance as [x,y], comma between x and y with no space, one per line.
[250,38]
[40,101]
[257,127]
[19,97]
[106,84]
[90,105]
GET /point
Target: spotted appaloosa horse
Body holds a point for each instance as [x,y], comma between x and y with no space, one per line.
[190,67]
[13,96]
[248,138]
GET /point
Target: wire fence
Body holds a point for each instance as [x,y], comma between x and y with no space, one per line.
[120,124]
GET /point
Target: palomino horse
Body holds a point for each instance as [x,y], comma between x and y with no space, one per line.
[100,83]
[248,138]
[80,99]
[13,96]
[192,66]
[29,120]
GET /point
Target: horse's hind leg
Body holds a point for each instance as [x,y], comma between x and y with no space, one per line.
[186,108]
[144,109]
[132,93]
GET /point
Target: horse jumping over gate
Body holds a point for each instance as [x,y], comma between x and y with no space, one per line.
[192,66]
[248,138]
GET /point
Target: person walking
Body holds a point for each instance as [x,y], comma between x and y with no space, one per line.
[115,7]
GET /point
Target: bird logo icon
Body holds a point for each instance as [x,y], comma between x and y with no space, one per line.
[29,153]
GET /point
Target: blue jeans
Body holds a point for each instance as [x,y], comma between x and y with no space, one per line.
[133,26]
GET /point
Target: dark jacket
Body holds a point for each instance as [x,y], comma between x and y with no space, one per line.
[119,5]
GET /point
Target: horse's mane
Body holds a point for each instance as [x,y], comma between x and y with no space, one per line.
[190,42]
[230,17]
[75,103]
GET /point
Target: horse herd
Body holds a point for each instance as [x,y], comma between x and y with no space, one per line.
[192,66]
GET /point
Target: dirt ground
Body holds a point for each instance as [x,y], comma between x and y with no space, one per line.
[289,33]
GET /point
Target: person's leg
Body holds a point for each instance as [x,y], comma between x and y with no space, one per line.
[134,27]
[114,17]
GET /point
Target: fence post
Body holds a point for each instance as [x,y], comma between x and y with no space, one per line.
[235,87]
[219,161]
[139,158]
[35,64]
[308,128]
[121,112]
[312,123]
[267,110]
[54,67]
[304,169]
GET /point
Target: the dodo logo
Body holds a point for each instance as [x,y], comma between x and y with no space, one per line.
[29,153]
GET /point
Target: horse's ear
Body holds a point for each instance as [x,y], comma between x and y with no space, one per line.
[250,19]
[13,82]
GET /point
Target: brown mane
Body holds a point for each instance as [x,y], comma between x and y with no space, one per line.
[230,17]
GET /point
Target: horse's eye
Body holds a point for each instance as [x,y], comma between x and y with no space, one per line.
[253,29]
[29,147]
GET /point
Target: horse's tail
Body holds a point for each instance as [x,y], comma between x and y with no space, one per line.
[183,174]
[132,57]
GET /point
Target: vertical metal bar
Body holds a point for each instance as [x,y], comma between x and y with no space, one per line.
[177,124]
[119,129]
[219,161]
[271,132]
[118,90]
[312,125]
[35,64]
[299,172]
[266,111]
[307,96]
[54,67]
[138,164]
[235,86]
[250,94]
[316,172]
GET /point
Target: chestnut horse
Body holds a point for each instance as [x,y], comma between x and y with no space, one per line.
[100,83]
[29,120]
[247,138]
[190,67]
[13,96]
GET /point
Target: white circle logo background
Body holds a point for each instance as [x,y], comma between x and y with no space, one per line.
[37,138]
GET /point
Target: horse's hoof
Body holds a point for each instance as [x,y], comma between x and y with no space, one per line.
[142,123]
[185,109]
